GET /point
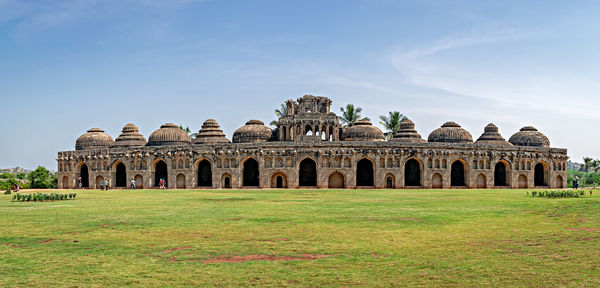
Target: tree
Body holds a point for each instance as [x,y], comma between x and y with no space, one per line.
[21,175]
[391,123]
[587,163]
[40,178]
[186,129]
[350,115]
[279,112]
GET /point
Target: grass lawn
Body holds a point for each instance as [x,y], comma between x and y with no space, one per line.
[314,238]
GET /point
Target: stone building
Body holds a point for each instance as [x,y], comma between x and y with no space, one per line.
[309,148]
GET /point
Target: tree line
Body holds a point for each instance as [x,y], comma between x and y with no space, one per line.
[588,173]
[38,178]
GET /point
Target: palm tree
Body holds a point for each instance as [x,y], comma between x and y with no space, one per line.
[279,112]
[186,129]
[391,123]
[587,163]
[350,115]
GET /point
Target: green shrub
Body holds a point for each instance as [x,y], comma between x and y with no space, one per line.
[7,192]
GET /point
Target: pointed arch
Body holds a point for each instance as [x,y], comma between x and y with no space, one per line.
[458,175]
[226,181]
[540,176]
[481,181]
[279,180]
[159,166]
[412,172]
[336,180]
[390,182]
[180,180]
[85,175]
[307,172]
[437,181]
[522,181]
[204,171]
[365,172]
[559,181]
[501,172]
[251,173]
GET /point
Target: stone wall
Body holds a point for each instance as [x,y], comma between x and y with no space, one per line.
[283,159]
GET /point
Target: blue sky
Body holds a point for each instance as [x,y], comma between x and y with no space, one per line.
[67,66]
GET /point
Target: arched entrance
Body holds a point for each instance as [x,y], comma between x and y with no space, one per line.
[85,176]
[226,181]
[180,181]
[436,181]
[457,174]
[308,173]
[500,174]
[522,181]
[336,180]
[364,173]
[278,180]
[65,183]
[481,181]
[559,182]
[412,173]
[389,181]
[251,173]
[160,173]
[121,176]
[539,177]
[204,174]
[99,182]
[139,182]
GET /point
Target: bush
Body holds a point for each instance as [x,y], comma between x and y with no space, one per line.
[40,197]
[558,193]
[7,192]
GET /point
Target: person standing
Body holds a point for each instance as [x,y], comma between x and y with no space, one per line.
[106,185]
[133,184]
[101,185]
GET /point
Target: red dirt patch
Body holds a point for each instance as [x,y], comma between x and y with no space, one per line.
[591,239]
[176,249]
[260,257]
[409,219]
[45,241]
[584,229]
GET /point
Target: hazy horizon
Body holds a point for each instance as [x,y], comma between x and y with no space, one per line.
[68,66]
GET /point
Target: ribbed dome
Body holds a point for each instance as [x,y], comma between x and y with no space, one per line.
[407,133]
[529,136]
[363,130]
[491,136]
[254,131]
[130,137]
[210,133]
[169,134]
[94,138]
[450,132]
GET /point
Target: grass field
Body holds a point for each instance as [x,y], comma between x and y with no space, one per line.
[303,238]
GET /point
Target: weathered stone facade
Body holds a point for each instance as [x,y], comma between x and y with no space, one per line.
[309,148]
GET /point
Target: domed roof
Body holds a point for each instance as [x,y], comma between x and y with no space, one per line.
[529,136]
[407,133]
[363,130]
[130,137]
[491,136]
[450,132]
[169,134]
[94,138]
[253,131]
[210,133]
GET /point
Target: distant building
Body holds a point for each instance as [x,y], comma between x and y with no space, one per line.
[310,148]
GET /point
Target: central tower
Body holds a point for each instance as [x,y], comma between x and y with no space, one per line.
[309,118]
